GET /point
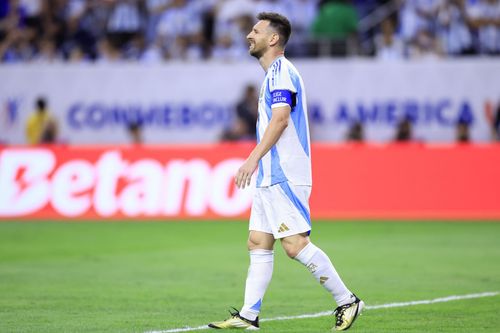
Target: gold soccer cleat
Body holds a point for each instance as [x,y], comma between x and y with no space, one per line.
[346,314]
[236,321]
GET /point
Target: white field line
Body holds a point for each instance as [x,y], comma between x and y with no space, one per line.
[368,307]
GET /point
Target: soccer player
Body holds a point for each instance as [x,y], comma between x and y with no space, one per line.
[280,208]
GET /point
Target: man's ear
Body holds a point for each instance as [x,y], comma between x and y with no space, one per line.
[275,37]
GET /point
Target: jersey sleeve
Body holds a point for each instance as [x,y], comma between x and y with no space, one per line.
[281,87]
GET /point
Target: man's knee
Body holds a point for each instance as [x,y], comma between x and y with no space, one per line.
[294,244]
[252,244]
[260,240]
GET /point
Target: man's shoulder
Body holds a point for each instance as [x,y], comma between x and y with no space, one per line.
[283,67]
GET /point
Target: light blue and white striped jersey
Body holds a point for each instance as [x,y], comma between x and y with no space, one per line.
[290,158]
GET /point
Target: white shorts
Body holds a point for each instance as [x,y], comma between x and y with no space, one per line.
[281,210]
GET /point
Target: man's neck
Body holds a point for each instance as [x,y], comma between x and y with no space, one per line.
[268,58]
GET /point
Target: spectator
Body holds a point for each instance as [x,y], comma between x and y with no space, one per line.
[404,131]
[388,45]
[356,133]
[124,23]
[94,23]
[41,126]
[418,15]
[14,37]
[232,44]
[108,53]
[484,17]
[244,127]
[86,23]
[56,22]
[208,17]
[78,56]
[152,53]
[496,124]
[33,12]
[234,18]
[16,48]
[155,9]
[462,128]
[425,45]
[462,131]
[335,25]
[47,52]
[180,31]
[135,132]
[453,28]
[227,50]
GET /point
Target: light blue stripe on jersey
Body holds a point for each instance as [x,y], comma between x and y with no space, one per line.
[296,202]
[269,100]
[298,115]
[277,174]
[269,113]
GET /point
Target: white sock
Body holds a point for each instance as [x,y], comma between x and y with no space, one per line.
[258,278]
[318,263]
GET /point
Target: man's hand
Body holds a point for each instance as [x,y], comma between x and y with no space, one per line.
[277,124]
[244,174]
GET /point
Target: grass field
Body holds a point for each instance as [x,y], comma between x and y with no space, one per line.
[137,277]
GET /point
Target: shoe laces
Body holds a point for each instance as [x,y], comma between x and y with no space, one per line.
[234,313]
[340,312]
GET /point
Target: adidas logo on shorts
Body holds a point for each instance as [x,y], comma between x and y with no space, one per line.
[283,228]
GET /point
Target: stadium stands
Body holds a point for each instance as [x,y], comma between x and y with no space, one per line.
[159,30]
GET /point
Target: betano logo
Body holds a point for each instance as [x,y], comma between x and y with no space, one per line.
[32,179]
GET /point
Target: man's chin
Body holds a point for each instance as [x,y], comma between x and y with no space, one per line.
[255,53]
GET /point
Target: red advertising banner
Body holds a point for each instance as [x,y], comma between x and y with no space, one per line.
[172,182]
[407,181]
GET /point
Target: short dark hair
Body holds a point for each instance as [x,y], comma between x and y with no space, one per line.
[280,23]
[134,125]
[41,103]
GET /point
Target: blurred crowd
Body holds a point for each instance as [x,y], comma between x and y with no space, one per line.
[438,28]
[157,30]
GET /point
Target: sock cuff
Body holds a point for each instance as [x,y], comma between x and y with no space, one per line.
[306,254]
[261,256]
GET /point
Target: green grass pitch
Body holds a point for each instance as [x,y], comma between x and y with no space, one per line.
[136,277]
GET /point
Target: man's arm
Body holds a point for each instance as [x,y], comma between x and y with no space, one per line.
[278,123]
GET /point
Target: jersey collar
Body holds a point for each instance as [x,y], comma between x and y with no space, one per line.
[271,65]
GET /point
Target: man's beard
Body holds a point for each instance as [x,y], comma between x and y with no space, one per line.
[256,53]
